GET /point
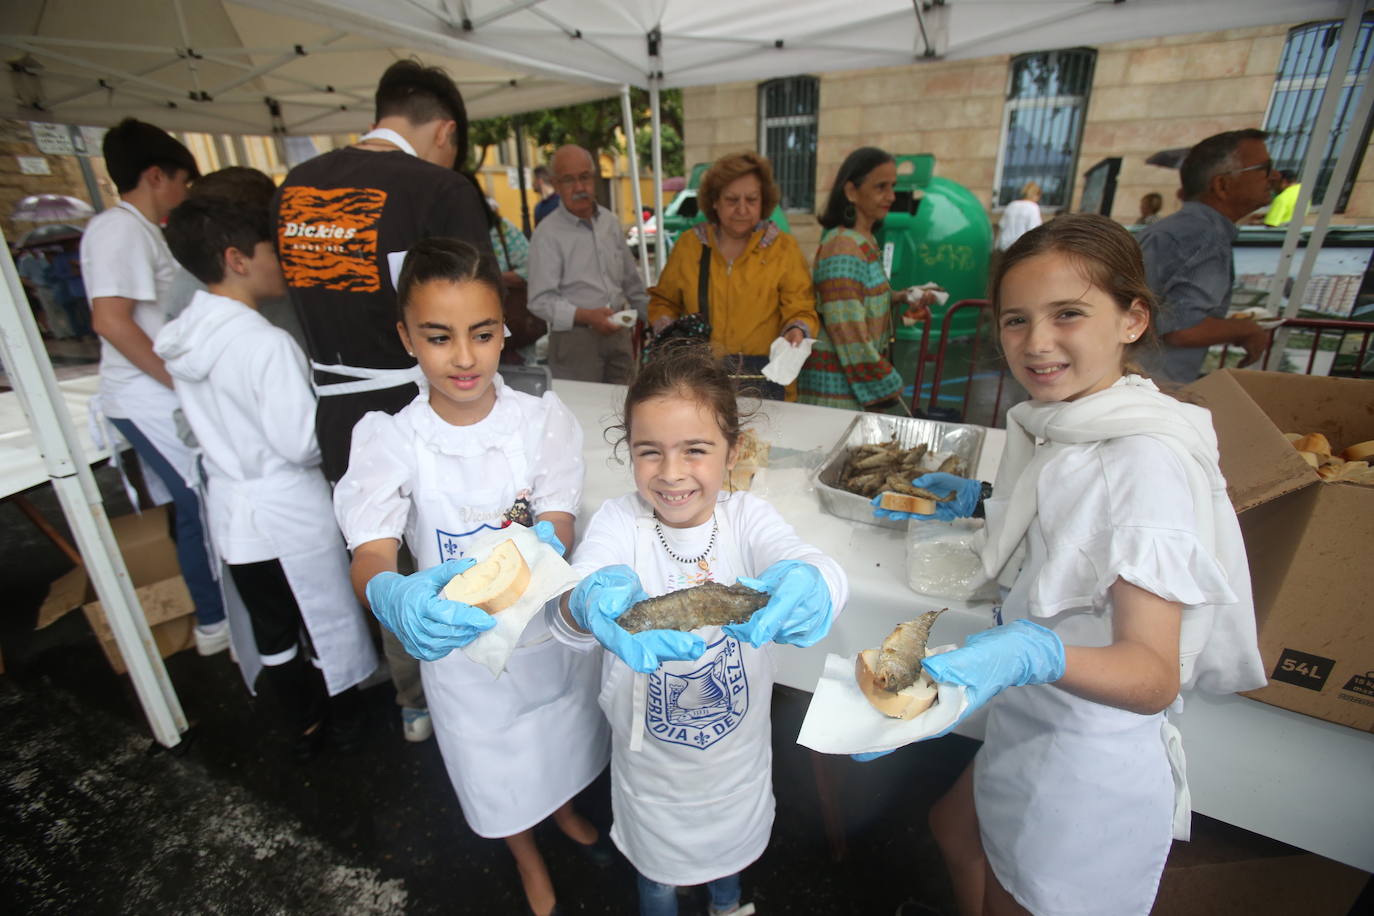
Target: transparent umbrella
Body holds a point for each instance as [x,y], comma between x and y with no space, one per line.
[51,208]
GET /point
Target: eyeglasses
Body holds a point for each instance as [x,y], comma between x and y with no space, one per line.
[570,180]
[1267,166]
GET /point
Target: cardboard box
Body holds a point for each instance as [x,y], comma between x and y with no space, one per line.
[1308,540]
[151,558]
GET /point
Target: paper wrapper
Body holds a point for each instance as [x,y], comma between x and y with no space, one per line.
[840,720]
[785,361]
[550,576]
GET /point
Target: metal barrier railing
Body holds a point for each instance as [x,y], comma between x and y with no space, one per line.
[1318,327]
[932,405]
[1356,368]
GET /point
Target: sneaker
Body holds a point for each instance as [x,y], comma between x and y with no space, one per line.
[416,724]
[740,909]
[212,638]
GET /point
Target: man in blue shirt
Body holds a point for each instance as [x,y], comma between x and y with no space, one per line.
[1188,254]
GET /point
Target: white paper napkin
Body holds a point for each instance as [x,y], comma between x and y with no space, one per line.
[840,720]
[550,576]
[913,293]
[785,361]
[626,318]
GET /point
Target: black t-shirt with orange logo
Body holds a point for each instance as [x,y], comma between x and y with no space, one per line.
[338,217]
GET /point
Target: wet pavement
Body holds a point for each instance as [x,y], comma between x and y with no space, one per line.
[97,818]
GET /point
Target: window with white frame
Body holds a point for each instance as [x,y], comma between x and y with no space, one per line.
[1304,68]
[1042,124]
[787,136]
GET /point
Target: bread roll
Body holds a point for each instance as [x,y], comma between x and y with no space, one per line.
[1313,442]
[900,502]
[907,703]
[1360,451]
[493,584]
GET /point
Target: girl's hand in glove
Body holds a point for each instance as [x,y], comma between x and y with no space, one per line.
[1014,655]
[602,597]
[428,626]
[798,611]
[966,495]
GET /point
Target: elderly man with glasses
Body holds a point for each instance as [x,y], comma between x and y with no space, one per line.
[581,274]
[1188,255]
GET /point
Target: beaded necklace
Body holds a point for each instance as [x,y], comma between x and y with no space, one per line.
[699,560]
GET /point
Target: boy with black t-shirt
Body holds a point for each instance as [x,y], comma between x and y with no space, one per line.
[338,218]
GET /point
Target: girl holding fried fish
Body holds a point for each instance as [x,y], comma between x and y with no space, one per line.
[1128,582]
[466,456]
[686,679]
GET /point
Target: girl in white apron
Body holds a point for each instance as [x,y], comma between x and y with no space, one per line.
[466,456]
[1110,522]
[691,763]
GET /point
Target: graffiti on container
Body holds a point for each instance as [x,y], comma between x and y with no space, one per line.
[950,257]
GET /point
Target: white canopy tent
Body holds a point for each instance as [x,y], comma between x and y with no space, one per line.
[307,66]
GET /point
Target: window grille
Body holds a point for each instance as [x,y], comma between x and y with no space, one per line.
[1047,96]
[787,136]
[1304,68]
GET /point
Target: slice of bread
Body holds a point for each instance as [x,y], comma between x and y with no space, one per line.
[901,502]
[493,584]
[907,703]
[1313,442]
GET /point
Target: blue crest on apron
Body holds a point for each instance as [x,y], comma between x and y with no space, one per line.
[450,544]
[699,708]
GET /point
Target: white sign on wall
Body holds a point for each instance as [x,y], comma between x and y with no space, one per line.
[33,165]
[53,139]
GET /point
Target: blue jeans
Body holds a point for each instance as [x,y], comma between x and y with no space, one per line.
[661,899]
[190,533]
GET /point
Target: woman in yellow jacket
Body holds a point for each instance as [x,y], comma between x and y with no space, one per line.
[757,284]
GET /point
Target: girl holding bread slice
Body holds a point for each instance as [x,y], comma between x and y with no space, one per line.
[691,767]
[470,455]
[1110,522]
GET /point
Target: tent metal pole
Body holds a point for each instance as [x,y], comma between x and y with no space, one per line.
[627,120]
[520,175]
[661,243]
[34,381]
[1321,130]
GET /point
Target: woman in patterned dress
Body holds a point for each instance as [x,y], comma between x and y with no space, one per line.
[849,365]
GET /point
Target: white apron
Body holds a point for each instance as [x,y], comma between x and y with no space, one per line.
[692,760]
[1075,799]
[519,746]
[294,511]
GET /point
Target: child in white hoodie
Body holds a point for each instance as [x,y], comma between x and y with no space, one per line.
[244,387]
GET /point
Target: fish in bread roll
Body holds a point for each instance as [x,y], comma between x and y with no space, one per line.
[495,583]
[891,676]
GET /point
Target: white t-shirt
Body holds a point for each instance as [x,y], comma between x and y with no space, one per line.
[124,254]
[1019,217]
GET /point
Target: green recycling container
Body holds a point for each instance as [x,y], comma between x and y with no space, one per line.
[937,231]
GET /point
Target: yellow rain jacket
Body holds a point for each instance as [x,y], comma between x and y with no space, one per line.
[753,301]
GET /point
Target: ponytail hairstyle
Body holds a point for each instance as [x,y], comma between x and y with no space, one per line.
[687,369]
[450,260]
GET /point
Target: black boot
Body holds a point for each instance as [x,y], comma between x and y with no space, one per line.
[301,694]
[347,718]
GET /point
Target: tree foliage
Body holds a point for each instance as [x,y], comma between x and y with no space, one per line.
[594,125]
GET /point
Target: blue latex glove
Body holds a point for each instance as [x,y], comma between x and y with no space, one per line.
[603,596]
[871,755]
[1014,655]
[966,494]
[428,626]
[798,611]
[544,531]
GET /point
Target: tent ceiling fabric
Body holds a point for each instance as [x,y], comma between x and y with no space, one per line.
[718,41]
[556,51]
[243,55]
